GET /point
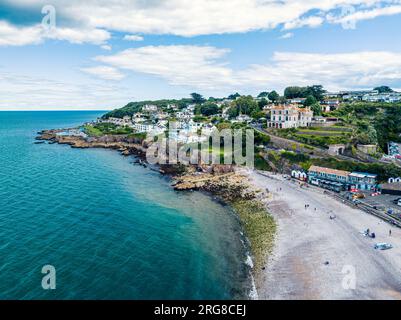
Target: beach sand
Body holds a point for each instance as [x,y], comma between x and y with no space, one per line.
[314,257]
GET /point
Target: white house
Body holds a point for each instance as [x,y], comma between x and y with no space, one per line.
[149,108]
[125,121]
[243,118]
[143,127]
[289,116]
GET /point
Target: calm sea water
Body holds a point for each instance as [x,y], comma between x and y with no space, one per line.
[112,230]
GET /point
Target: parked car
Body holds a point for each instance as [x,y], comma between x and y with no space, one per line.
[358,196]
[383,246]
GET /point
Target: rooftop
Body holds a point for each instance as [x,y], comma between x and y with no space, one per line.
[329,171]
[363,175]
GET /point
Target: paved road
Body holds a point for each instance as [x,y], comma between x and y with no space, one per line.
[308,239]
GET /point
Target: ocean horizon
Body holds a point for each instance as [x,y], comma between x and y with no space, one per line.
[111,229]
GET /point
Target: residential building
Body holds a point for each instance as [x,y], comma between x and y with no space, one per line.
[340,180]
[390,97]
[330,105]
[296,101]
[332,179]
[331,95]
[243,118]
[138,117]
[149,108]
[289,116]
[125,121]
[362,180]
[143,127]
[357,95]
[305,117]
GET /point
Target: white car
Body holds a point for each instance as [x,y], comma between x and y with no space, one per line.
[383,246]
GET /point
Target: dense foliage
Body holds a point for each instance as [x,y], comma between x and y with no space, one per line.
[316,91]
[374,122]
[134,107]
[209,108]
[101,129]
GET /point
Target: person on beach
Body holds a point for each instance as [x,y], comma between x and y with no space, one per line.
[389,232]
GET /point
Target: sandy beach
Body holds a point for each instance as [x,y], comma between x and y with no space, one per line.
[315,256]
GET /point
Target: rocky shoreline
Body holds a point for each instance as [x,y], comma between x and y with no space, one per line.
[127,146]
[226,182]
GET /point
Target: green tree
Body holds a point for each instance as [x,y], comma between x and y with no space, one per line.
[317,109]
[310,100]
[258,115]
[383,89]
[317,91]
[246,105]
[197,98]
[263,94]
[234,96]
[233,112]
[209,108]
[262,103]
[273,96]
[294,92]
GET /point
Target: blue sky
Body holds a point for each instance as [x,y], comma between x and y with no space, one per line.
[103,54]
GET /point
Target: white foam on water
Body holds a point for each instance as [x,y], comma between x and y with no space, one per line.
[253,294]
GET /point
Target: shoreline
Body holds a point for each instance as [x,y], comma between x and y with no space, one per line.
[224,184]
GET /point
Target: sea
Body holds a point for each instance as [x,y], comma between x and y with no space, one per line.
[107,227]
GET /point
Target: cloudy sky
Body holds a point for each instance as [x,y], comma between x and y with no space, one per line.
[101,54]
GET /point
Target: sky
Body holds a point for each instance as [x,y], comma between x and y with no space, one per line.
[100,55]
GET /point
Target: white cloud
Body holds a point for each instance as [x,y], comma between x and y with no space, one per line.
[11,35]
[203,68]
[104,72]
[78,35]
[22,92]
[106,47]
[311,22]
[199,17]
[179,65]
[334,71]
[133,37]
[356,16]
[287,35]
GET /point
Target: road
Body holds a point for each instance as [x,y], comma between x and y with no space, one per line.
[315,257]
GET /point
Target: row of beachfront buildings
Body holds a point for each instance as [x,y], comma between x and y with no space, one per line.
[341,180]
[337,180]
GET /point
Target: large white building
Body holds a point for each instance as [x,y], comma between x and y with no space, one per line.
[289,116]
[125,121]
[149,108]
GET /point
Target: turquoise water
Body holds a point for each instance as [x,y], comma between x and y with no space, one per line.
[112,229]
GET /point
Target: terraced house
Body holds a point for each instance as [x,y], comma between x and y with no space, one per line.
[341,180]
[332,179]
[289,116]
